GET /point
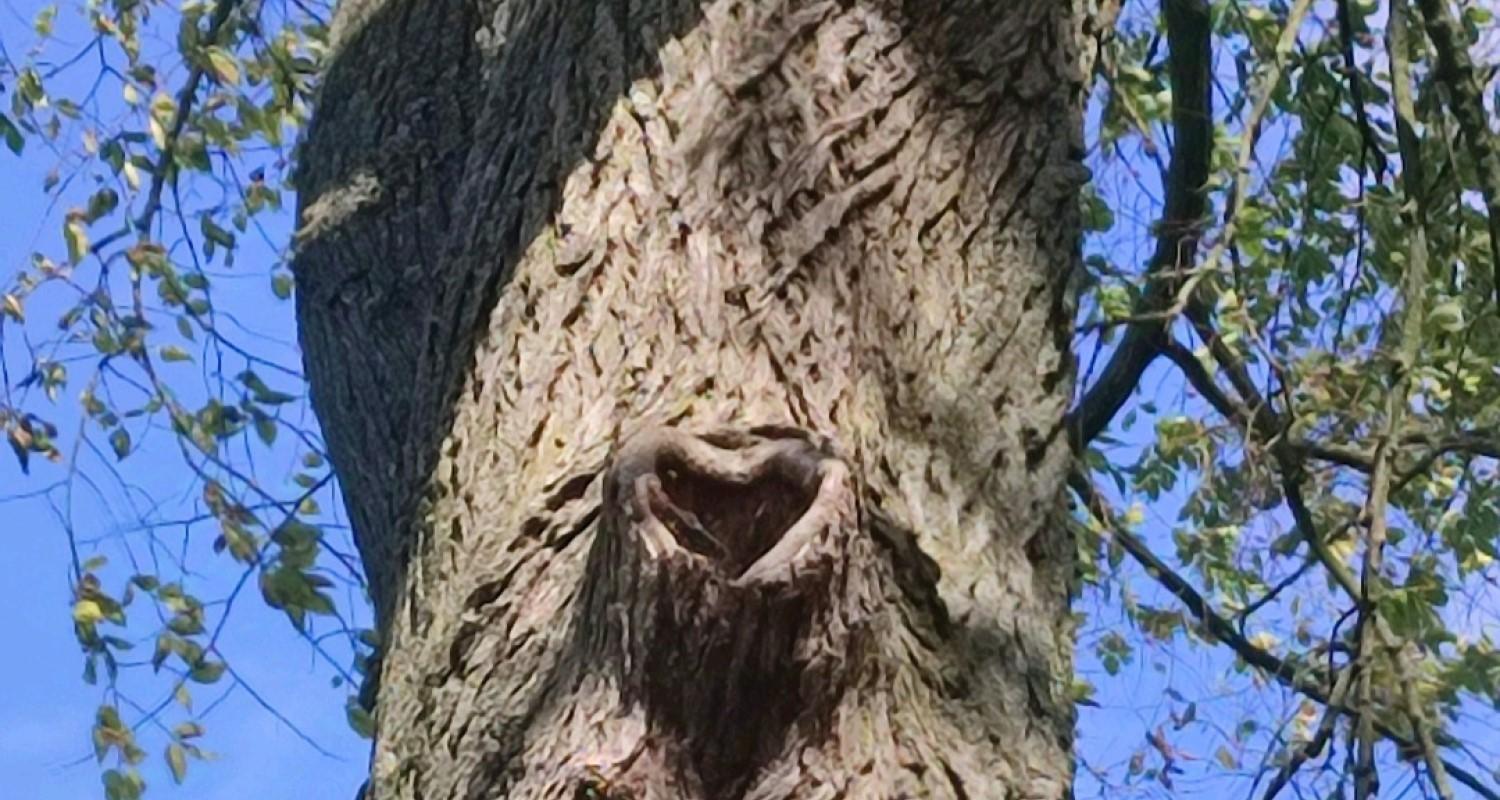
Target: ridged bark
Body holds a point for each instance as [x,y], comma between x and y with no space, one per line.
[696,374]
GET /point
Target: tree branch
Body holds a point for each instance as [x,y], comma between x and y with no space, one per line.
[1161,301]
[1259,420]
[1455,70]
[1478,443]
[1413,293]
[1189,35]
[1370,145]
[1314,746]
[1198,376]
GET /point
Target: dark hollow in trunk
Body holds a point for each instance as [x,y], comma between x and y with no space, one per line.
[715,599]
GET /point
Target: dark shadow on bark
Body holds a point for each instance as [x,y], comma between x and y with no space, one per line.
[387,334]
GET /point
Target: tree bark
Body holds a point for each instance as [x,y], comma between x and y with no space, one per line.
[695,373]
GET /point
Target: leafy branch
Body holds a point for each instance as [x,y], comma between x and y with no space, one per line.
[1465,95]
[1305,679]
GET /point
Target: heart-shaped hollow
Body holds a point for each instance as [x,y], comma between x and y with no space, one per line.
[731,524]
[729,498]
[718,597]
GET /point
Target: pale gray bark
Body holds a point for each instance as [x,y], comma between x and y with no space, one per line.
[696,375]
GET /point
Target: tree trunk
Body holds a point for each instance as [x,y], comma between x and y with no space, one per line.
[695,373]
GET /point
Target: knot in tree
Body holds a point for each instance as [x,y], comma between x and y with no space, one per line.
[724,599]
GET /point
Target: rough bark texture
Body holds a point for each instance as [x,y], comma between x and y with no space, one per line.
[696,373]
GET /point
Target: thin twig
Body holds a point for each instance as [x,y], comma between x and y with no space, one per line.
[1315,745]
[186,97]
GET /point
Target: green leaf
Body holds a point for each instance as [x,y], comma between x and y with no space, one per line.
[87,612]
[207,672]
[77,237]
[281,285]
[360,720]
[262,392]
[29,87]
[265,428]
[113,154]
[186,623]
[10,305]
[177,761]
[1448,316]
[320,603]
[102,202]
[123,785]
[224,65]
[119,440]
[42,22]
[164,648]
[12,135]
[173,353]
[214,233]
[1098,217]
